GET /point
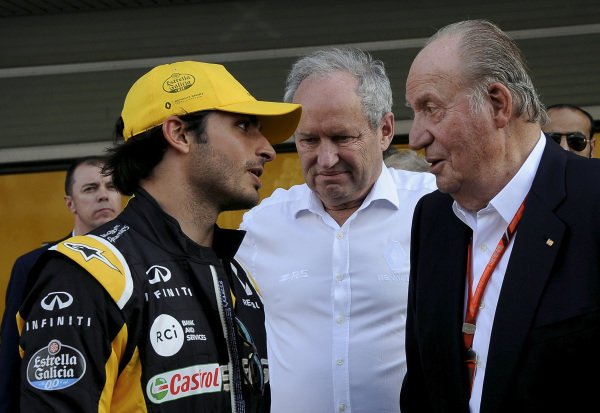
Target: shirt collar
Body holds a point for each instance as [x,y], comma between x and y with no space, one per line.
[509,199]
[384,190]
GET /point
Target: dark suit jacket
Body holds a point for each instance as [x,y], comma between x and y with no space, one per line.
[9,335]
[544,353]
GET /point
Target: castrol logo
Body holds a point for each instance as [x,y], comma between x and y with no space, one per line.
[185,382]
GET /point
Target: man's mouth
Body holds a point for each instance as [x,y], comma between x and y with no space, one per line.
[257,171]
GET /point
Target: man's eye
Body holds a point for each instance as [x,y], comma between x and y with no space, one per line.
[430,109]
[244,125]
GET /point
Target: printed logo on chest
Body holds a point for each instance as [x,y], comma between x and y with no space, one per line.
[161,286]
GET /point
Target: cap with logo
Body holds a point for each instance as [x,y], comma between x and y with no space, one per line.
[185,87]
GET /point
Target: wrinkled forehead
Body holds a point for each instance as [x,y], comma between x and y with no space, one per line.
[436,71]
[442,53]
[438,60]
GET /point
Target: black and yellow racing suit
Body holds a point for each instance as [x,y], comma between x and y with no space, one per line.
[136,317]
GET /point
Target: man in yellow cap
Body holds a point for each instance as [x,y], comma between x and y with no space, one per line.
[150,312]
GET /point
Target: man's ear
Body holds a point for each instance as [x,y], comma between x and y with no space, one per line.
[70,204]
[502,103]
[387,130]
[174,132]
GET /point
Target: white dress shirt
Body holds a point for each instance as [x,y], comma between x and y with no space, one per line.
[335,297]
[488,225]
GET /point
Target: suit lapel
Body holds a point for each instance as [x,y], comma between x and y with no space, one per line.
[535,249]
[446,279]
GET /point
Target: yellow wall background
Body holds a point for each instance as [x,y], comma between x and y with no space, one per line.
[32,209]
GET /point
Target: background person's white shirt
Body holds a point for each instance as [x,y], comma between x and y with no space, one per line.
[335,297]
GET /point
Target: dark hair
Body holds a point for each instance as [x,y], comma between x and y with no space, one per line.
[87,160]
[134,159]
[577,108]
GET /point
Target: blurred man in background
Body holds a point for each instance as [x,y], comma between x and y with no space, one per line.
[93,200]
[572,128]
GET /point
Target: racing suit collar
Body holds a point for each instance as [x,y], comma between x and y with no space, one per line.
[167,232]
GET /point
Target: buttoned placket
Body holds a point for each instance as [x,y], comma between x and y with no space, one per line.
[341,317]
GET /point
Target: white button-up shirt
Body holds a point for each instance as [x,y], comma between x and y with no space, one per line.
[335,297]
[488,225]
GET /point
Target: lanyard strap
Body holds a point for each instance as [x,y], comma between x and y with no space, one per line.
[474,300]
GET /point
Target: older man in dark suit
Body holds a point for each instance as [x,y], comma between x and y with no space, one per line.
[504,293]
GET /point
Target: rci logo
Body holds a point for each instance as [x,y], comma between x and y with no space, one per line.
[166,335]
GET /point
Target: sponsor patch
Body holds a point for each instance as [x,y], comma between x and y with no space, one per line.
[185,382]
[55,367]
[166,335]
[293,275]
[395,256]
[178,82]
[118,230]
[57,300]
[87,252]
[158,273]
[396,276]
[190,331]
[70,320]
[174,292]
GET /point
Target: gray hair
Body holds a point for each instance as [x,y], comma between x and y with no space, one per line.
[406,159]
[489,55]
[373,89]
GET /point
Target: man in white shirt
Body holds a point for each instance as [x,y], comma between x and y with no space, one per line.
[504,292]
[331,257]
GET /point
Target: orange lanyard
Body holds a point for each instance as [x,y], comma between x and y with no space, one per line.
[474,300]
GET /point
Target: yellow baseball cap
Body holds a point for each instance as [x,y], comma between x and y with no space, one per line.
[185,87]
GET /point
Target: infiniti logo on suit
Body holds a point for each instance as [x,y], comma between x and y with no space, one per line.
[57,300]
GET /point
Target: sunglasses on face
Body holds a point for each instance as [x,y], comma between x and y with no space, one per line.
[254,375]
[576,140]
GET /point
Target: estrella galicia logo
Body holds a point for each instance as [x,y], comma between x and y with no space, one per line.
[89,252]
[55,367]
[57,300]
[158,273]
[178,82]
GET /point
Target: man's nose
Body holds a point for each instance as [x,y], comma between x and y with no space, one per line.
[563,143]
[102,193]
[418,136]
[265,149]
[327,153]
